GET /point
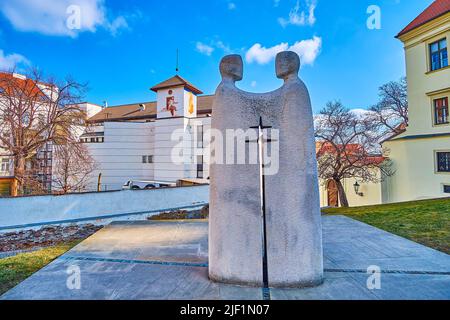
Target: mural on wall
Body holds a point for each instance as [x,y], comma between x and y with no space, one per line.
[191,108]
[171,105]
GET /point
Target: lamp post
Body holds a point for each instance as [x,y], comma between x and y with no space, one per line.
[357,186]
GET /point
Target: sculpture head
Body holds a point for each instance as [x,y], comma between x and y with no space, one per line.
[287,64]
[232,67]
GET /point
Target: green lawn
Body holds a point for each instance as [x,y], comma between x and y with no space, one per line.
[426,222]
[14,270]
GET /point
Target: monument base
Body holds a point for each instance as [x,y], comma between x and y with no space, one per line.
[278,285]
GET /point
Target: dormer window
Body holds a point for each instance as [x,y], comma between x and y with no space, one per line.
[438,55]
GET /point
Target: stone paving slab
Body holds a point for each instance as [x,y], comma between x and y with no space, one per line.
[168,260]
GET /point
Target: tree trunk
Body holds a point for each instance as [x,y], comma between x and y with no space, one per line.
[19,174]
[342,195]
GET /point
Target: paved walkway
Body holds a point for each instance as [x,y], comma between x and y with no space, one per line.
[168,260]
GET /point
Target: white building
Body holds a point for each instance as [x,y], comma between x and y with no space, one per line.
[143,141]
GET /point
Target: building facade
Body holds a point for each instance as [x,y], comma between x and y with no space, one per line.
[39,165]
[161,141]
[421,153]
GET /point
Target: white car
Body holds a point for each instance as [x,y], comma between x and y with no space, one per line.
[146,185]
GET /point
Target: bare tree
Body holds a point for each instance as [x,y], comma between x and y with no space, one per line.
[34,112]
[72,167]
[347,147]
[391,112]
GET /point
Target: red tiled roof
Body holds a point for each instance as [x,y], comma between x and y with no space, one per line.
[398,131]
[436,9]
[354,152]
[11,84]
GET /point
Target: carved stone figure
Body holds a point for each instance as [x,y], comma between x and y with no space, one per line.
[290,188]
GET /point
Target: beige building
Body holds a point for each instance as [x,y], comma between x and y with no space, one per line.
[421,153]
[358,193]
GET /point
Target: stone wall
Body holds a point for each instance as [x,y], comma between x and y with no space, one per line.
[98,208]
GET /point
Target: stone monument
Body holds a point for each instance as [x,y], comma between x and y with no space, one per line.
[288,250]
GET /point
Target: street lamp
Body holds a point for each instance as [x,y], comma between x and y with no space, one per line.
[357,186]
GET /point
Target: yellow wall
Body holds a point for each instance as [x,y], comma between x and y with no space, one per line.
[6,185]
[425,86]
[371,191]
[414,159]
[4,188]
[415,165]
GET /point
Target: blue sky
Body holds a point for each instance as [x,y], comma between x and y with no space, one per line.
[122,48]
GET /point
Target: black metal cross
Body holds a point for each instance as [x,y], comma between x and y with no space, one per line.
[261,127]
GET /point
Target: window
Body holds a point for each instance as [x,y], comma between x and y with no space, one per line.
[441,111]
[443,161]
[200,167]
[199,136]
[147,159]
[438,55]
[447,188]
[5,165]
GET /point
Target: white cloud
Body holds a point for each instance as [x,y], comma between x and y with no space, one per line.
[220,45]
[300,18]
[204,48]
[118,24]
[231,6]
[263,55]
[56,17]
[361,112]
[308,50]
[208,49]
[11,61]
[254,84]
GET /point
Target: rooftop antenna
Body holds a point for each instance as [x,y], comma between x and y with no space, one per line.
[177,66]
